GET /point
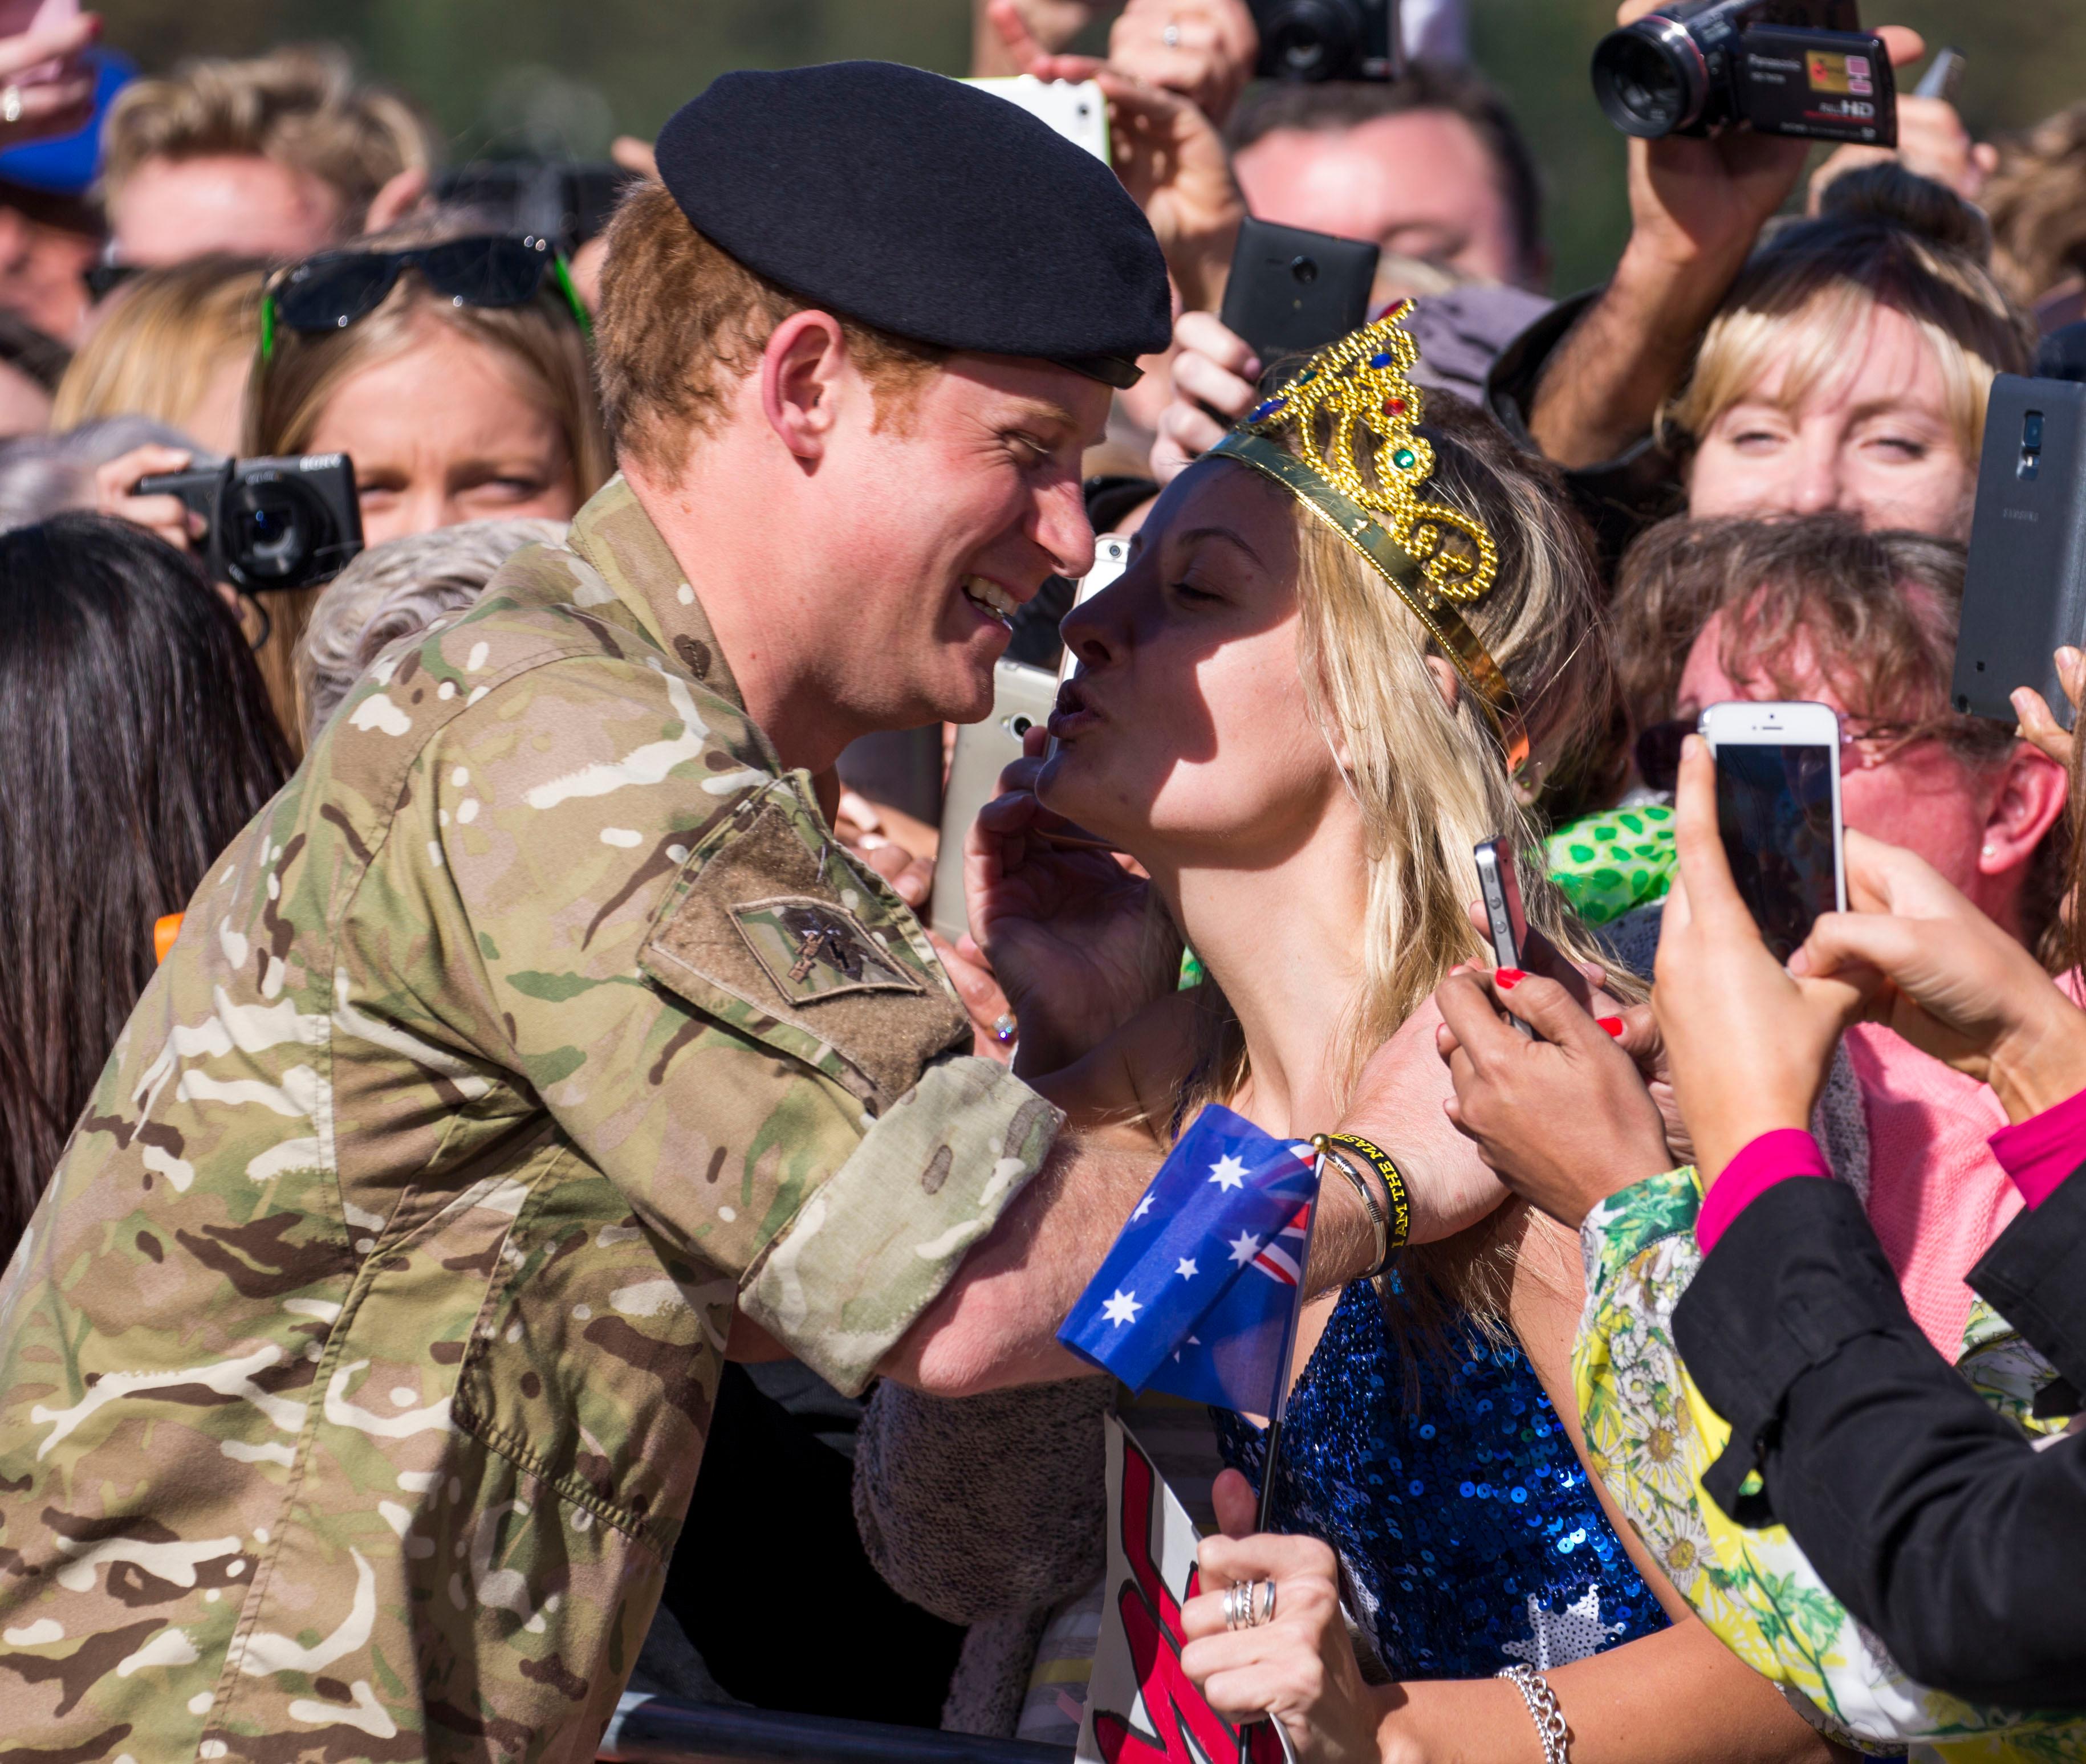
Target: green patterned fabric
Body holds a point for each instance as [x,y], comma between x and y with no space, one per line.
[1650,1435]
[1611,862]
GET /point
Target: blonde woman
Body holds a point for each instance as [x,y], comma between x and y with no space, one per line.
[453,371]
[174,345]
[1300,740]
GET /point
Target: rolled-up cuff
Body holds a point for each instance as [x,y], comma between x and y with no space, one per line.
[1760,1164]
[2045,1149]
[874,1247]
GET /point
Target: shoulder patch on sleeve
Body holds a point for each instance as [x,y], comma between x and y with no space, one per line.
[770,930]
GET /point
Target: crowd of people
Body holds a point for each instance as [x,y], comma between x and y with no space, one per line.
[507,1203]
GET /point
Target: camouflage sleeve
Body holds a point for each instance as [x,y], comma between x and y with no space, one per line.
[599,881]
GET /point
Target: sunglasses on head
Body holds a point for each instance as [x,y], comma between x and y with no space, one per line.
[336,289]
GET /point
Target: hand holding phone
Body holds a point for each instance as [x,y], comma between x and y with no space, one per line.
[1291,291]
[1515,943]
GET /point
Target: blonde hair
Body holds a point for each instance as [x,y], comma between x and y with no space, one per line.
[300,106]
[1432,779]
[2036,200]
[1884,237]
[162,340]
[539,341]
[681,318]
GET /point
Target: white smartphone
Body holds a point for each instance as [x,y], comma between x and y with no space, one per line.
[1779,810]
[1077,109]
[1022,697]
[1506,925]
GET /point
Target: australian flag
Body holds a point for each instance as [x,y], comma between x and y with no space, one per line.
[1197,1296]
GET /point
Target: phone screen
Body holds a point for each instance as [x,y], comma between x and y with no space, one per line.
[1774,810]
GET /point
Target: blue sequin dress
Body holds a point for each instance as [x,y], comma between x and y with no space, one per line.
[1471,1538]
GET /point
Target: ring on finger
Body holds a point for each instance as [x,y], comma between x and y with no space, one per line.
[10,105]
[1005,1028]
[1171,36]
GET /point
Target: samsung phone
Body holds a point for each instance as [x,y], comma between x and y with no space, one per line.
[1292,291]
[1077,109]
[1779,810]
[2025,590]
[1022,698]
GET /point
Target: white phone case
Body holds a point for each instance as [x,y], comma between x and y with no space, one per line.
[1785,723]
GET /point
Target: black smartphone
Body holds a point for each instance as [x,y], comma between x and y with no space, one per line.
[2024,591]
[1778,813]
[1292,291]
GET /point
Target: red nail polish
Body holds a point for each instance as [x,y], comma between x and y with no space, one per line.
[1509,977]
[1613,1025]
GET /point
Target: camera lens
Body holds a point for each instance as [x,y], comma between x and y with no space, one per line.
[1306,270]
[272,527]
[1311,38]
[1650,78]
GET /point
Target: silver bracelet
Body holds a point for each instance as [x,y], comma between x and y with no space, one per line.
[1379,1220]
[1544,1709]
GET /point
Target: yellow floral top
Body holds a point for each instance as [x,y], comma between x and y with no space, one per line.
[1651,1435]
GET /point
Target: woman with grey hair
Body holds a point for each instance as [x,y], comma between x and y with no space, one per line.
[393,590]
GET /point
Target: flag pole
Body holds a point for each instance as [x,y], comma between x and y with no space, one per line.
[1275,1409]
[1285,1368]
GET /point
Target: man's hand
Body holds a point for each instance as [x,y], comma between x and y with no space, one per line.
[1202,49]
[1214,371]
[1168,154]
[1565,1119]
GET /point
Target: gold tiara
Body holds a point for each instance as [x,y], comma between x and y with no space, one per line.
[1436,558]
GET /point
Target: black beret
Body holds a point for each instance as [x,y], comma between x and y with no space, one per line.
[925,207]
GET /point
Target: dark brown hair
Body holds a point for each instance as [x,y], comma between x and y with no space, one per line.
[681,319]
[136,739]
[1331,105]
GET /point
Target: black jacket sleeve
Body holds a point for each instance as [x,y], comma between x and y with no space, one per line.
[1928,1514]
[1618,497]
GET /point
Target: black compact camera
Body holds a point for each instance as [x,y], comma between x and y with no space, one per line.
[1796,67]
[1326,38]
[274,523]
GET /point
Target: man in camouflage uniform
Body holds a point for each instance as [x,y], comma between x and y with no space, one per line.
[354,1372]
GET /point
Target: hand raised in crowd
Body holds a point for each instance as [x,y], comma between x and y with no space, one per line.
[1049,24]
[1951,982]
[1564,1117]
[167,517]
[1167,153]
[1203,50]
[1931,140]
[2038,724]
[1215,372]
[56,96]
[1697,206]
[1299,1666]
[1749,1041]
[1073,938]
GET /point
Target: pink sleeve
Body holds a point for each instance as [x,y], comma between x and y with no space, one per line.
[2042,1151]
[1762,1163]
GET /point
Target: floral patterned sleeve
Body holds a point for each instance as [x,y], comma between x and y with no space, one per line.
[1651,1435]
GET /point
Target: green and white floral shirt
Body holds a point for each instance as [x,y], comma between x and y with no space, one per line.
[1650,1435]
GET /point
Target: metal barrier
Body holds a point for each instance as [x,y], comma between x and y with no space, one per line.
[657,1730]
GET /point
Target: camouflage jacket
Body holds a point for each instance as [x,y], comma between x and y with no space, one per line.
[356,1366]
